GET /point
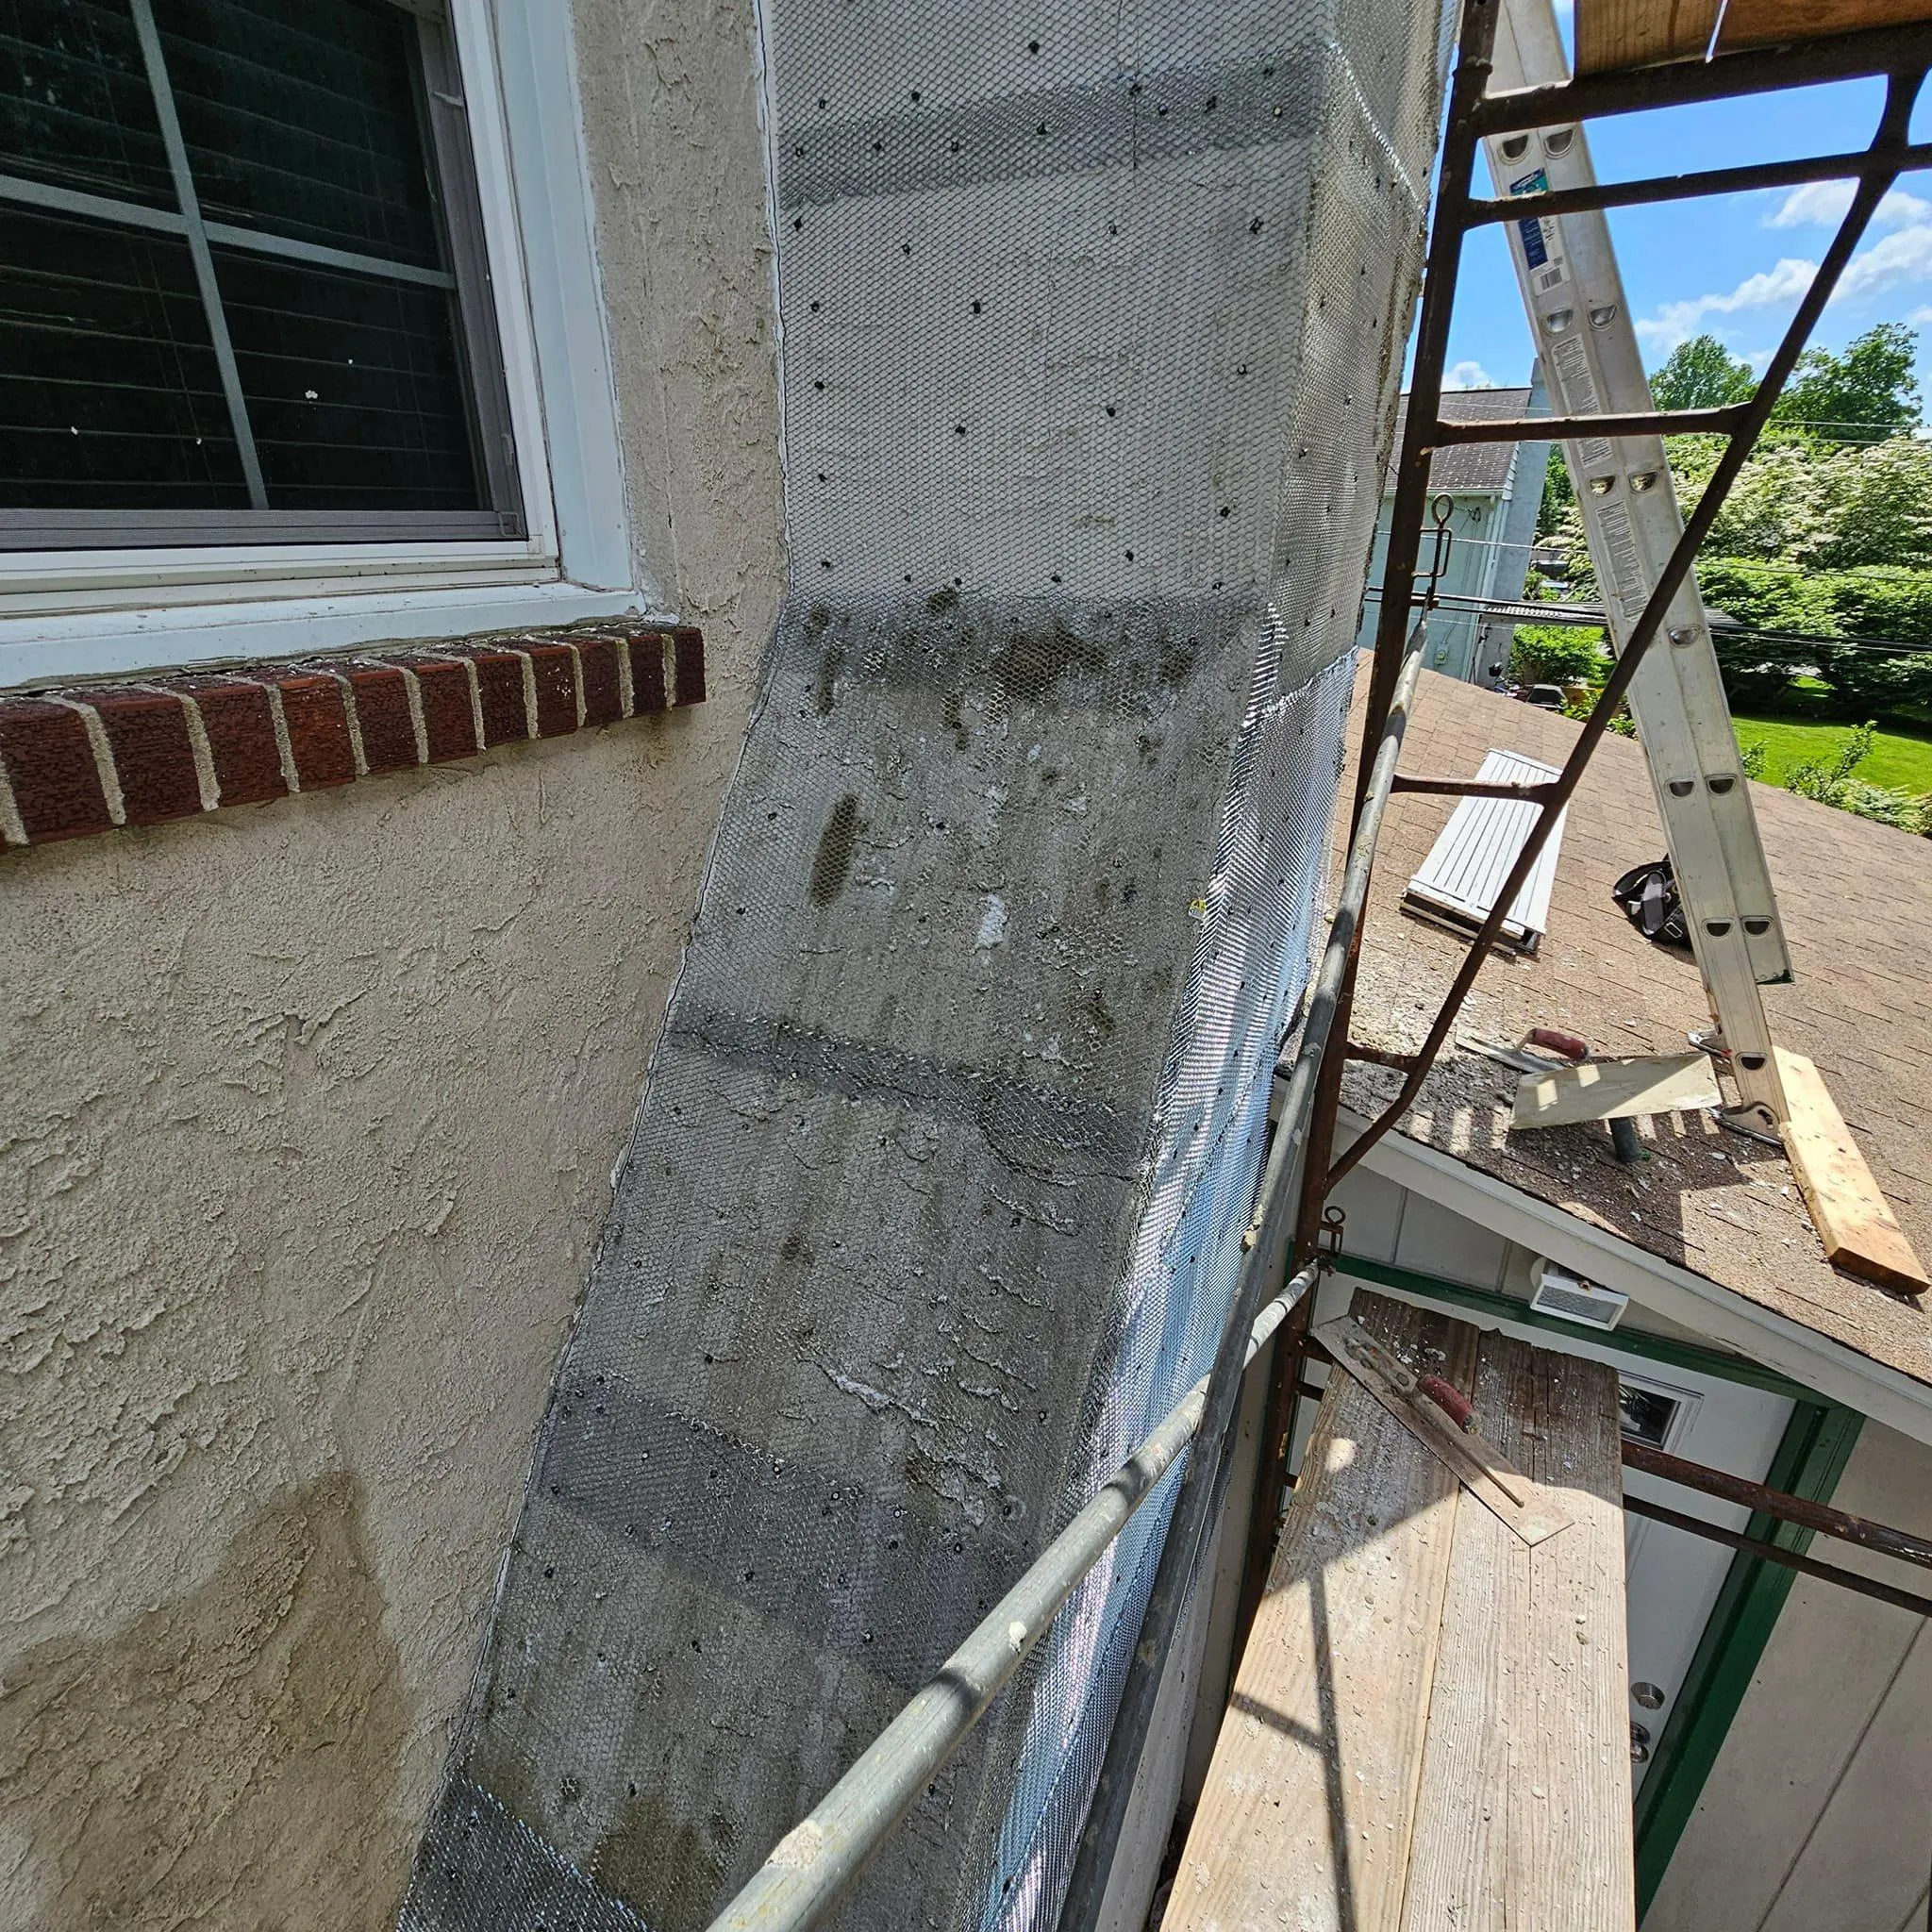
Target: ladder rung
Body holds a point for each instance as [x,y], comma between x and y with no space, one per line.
[1574,428]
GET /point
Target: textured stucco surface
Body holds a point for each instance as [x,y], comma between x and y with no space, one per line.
[1090,336]
[307,1128]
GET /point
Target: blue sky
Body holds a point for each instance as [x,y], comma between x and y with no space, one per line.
[1733,267]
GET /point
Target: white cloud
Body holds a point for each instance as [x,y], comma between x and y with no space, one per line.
[1823,205]
[1677,321]
[1814,206]
[1900,258]
[1469,374]
[1905,256]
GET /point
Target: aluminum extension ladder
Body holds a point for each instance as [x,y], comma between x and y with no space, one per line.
[1580,322]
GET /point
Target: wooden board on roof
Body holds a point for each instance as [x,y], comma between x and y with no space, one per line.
[1429,1725]
[1766,23]
[1639,33]
[1860,1233]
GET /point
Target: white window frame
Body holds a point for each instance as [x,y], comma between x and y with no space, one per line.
[70,614]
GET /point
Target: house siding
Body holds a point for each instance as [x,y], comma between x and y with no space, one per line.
[1815,1813]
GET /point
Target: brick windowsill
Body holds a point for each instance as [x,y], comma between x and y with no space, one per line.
[137,753]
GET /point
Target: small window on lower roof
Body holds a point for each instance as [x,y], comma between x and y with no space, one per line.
[243,295]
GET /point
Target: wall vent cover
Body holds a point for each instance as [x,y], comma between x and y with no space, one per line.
[1569,1297]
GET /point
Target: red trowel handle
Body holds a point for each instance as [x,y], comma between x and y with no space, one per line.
[1556,1040]
[1450,1400]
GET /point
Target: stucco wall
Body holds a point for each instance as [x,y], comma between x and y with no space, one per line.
[307,1125]
[1816,1816]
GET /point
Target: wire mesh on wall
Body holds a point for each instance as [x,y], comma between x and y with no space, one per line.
[1092,321]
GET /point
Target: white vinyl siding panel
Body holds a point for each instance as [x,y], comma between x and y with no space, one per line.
[1471,859]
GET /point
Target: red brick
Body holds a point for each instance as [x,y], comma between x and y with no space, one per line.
[382,716]
[318,728]
[554,670]
[603,694]
[689,644]
[154,756]
[646,671]
[241,732]
[449,721]
[50,765]
[500,689]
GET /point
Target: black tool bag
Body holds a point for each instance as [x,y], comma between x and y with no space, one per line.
[1648,893]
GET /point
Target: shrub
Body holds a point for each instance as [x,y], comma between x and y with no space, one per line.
[1557,654]
[1832,781]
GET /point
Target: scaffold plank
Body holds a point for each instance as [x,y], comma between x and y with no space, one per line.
[1428,1725]
[1305,1815]
[1637,33]
[1523,1812]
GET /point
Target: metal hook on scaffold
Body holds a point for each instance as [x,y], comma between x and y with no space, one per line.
[1441,508]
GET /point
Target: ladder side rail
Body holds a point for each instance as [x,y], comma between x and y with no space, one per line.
[1579,318]
[1902,91]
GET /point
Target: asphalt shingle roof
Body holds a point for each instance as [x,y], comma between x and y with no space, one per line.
[1473,467]
[1857,902]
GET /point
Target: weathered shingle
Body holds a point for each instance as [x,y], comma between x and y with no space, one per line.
[1468,466]
[1857,903]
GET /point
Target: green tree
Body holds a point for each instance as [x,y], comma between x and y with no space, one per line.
[1774,508]
[1762,597]
[1880,601]
[1702,375]
[1823,506]
[1864,393]
[1870,503]
[1557,654]
[1559,494]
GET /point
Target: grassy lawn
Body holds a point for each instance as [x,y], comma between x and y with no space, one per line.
[1901,753]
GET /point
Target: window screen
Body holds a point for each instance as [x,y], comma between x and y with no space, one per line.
[243,291]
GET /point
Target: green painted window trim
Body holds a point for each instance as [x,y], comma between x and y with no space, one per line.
[1811,1456]
[1818,1442]
[1508,1307]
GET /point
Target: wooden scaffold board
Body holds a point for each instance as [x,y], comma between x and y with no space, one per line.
[1429,1727]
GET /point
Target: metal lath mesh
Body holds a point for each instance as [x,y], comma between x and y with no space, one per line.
[1091,319]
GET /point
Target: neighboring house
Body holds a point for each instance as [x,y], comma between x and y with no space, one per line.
[1782,1728]
[311,1103]
[1495,490]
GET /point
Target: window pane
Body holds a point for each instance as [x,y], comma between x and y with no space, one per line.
[301,118]
[353,387]
[75,103]
[109,396]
